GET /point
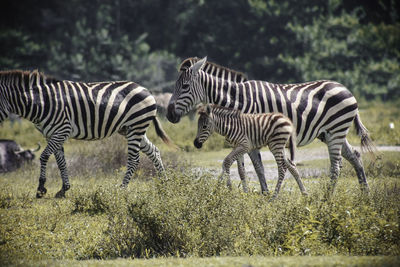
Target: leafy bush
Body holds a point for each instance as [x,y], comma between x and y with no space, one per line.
[198,216]
[186,214]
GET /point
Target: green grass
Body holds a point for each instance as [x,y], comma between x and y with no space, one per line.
[190,218]
[194,216]
[327,261]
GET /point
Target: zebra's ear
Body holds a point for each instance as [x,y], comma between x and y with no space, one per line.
[198,65]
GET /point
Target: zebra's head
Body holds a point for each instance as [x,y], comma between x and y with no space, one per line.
[205,126]
[188,91]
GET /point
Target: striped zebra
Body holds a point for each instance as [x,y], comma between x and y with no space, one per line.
[83,111]
[318,109]
[247,132]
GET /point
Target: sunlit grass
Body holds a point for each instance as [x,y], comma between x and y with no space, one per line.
[190,214]
[194,215]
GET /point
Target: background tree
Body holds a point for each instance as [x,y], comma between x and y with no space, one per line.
[353,42]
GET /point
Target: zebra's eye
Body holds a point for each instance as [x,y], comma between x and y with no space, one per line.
[204,127]
[185,86]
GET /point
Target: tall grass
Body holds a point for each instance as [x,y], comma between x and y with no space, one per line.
[193,215]
[187,213]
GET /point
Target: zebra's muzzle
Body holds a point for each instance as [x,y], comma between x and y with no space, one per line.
[171,114]
[197,144]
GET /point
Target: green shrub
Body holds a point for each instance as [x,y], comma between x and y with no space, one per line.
[198,216]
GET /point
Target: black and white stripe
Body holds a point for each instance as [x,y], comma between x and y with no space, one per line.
[247,132]
[318,109]
[84,111]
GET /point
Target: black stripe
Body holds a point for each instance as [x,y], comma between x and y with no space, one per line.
[117,102]
[233,96]
[316,99]
[224,93]
[332,101]
[340,113]
[241,89]
[104,102]
[275,91]
[260,96]
[138,98]
[247,105]
[81,102]
[268,96]
[303,103]
[71,89]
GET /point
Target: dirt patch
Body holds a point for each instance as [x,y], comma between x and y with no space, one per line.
[304,159]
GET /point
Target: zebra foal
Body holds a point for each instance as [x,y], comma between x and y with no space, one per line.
[247,132]
[84,111]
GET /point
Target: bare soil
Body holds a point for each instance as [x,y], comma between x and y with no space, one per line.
[311,162]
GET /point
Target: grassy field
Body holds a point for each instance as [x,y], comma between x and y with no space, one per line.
[288,261]
[189,218]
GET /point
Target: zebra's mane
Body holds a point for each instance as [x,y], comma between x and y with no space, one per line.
[212,69]
[27,77]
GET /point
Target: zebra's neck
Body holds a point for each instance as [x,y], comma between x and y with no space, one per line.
[224,120]
[20,91]
[220,91]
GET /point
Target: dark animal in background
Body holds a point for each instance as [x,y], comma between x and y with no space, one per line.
[12,156]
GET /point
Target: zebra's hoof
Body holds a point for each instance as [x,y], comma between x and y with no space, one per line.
[265,193]
[60,194]
[41,192]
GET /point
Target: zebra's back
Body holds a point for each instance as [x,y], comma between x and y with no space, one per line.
[313,107]
[95,110]
[266,128]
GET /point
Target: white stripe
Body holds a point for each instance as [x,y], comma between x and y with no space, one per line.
[84,128]
[307,110]
[110,104]
[122,107]
[98,104]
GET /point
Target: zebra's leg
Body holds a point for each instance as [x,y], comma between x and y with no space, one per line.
[60,159]
[53,144]
[153,153]
[236,153]
[255,157]
[279,154]
[335,144]
[293,170]
[133,158]
[354,157]
[242,173]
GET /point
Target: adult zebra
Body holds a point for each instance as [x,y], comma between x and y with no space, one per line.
[84,111]
[318,109]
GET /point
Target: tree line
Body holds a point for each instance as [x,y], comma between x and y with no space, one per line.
[354,42]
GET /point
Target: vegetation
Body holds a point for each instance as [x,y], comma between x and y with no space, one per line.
[190,214]
[188,217]
[355,43]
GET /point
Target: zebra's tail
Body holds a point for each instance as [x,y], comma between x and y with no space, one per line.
[366,142]
[292,145]
[161,133]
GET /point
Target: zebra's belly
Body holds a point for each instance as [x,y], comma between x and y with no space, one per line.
[90,132]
